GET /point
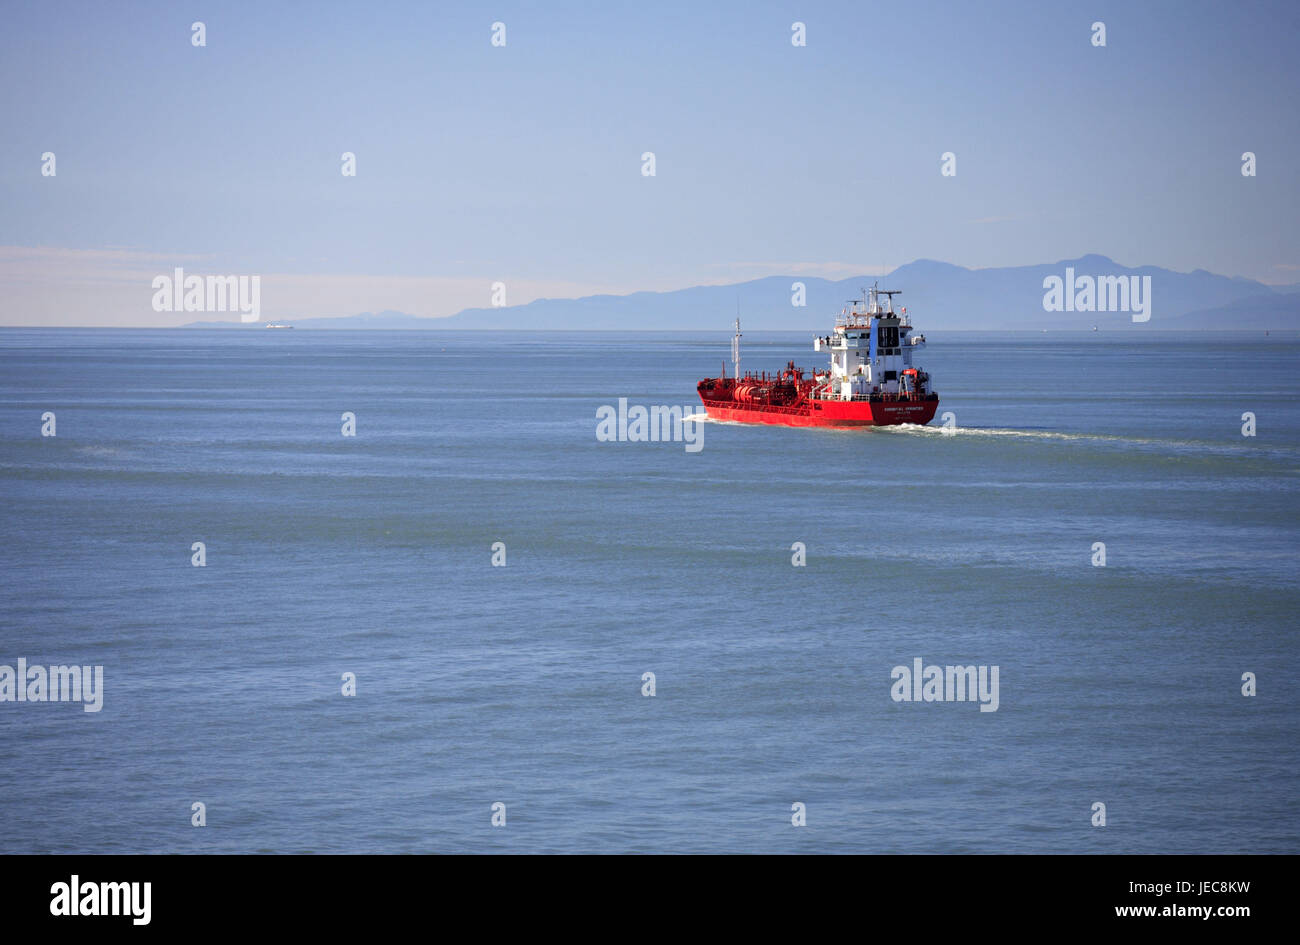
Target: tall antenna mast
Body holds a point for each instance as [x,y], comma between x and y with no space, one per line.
[735,349]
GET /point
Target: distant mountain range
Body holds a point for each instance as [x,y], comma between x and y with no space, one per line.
[939,296]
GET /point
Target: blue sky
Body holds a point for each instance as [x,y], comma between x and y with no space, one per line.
[522,164]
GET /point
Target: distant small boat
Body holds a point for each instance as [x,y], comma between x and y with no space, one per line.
[276,325]
[1094,327]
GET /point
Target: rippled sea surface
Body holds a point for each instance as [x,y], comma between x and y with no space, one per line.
[522,684]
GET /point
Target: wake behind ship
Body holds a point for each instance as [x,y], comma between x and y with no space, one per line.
[870,380]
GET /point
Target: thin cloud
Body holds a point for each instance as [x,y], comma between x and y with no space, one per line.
[113,287]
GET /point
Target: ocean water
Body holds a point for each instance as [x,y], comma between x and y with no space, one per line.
[522,684]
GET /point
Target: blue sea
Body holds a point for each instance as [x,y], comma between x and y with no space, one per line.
[522,685]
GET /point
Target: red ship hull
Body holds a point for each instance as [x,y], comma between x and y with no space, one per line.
[870,381]
[826,413]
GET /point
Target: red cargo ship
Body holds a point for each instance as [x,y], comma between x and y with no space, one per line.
[870,381]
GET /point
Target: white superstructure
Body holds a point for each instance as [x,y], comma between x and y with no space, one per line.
[871,350]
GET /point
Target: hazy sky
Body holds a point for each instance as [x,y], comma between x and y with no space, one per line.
[522,163]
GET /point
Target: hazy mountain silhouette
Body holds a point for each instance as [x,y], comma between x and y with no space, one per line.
[939,296]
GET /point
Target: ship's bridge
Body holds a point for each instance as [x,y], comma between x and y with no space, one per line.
[869,349]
